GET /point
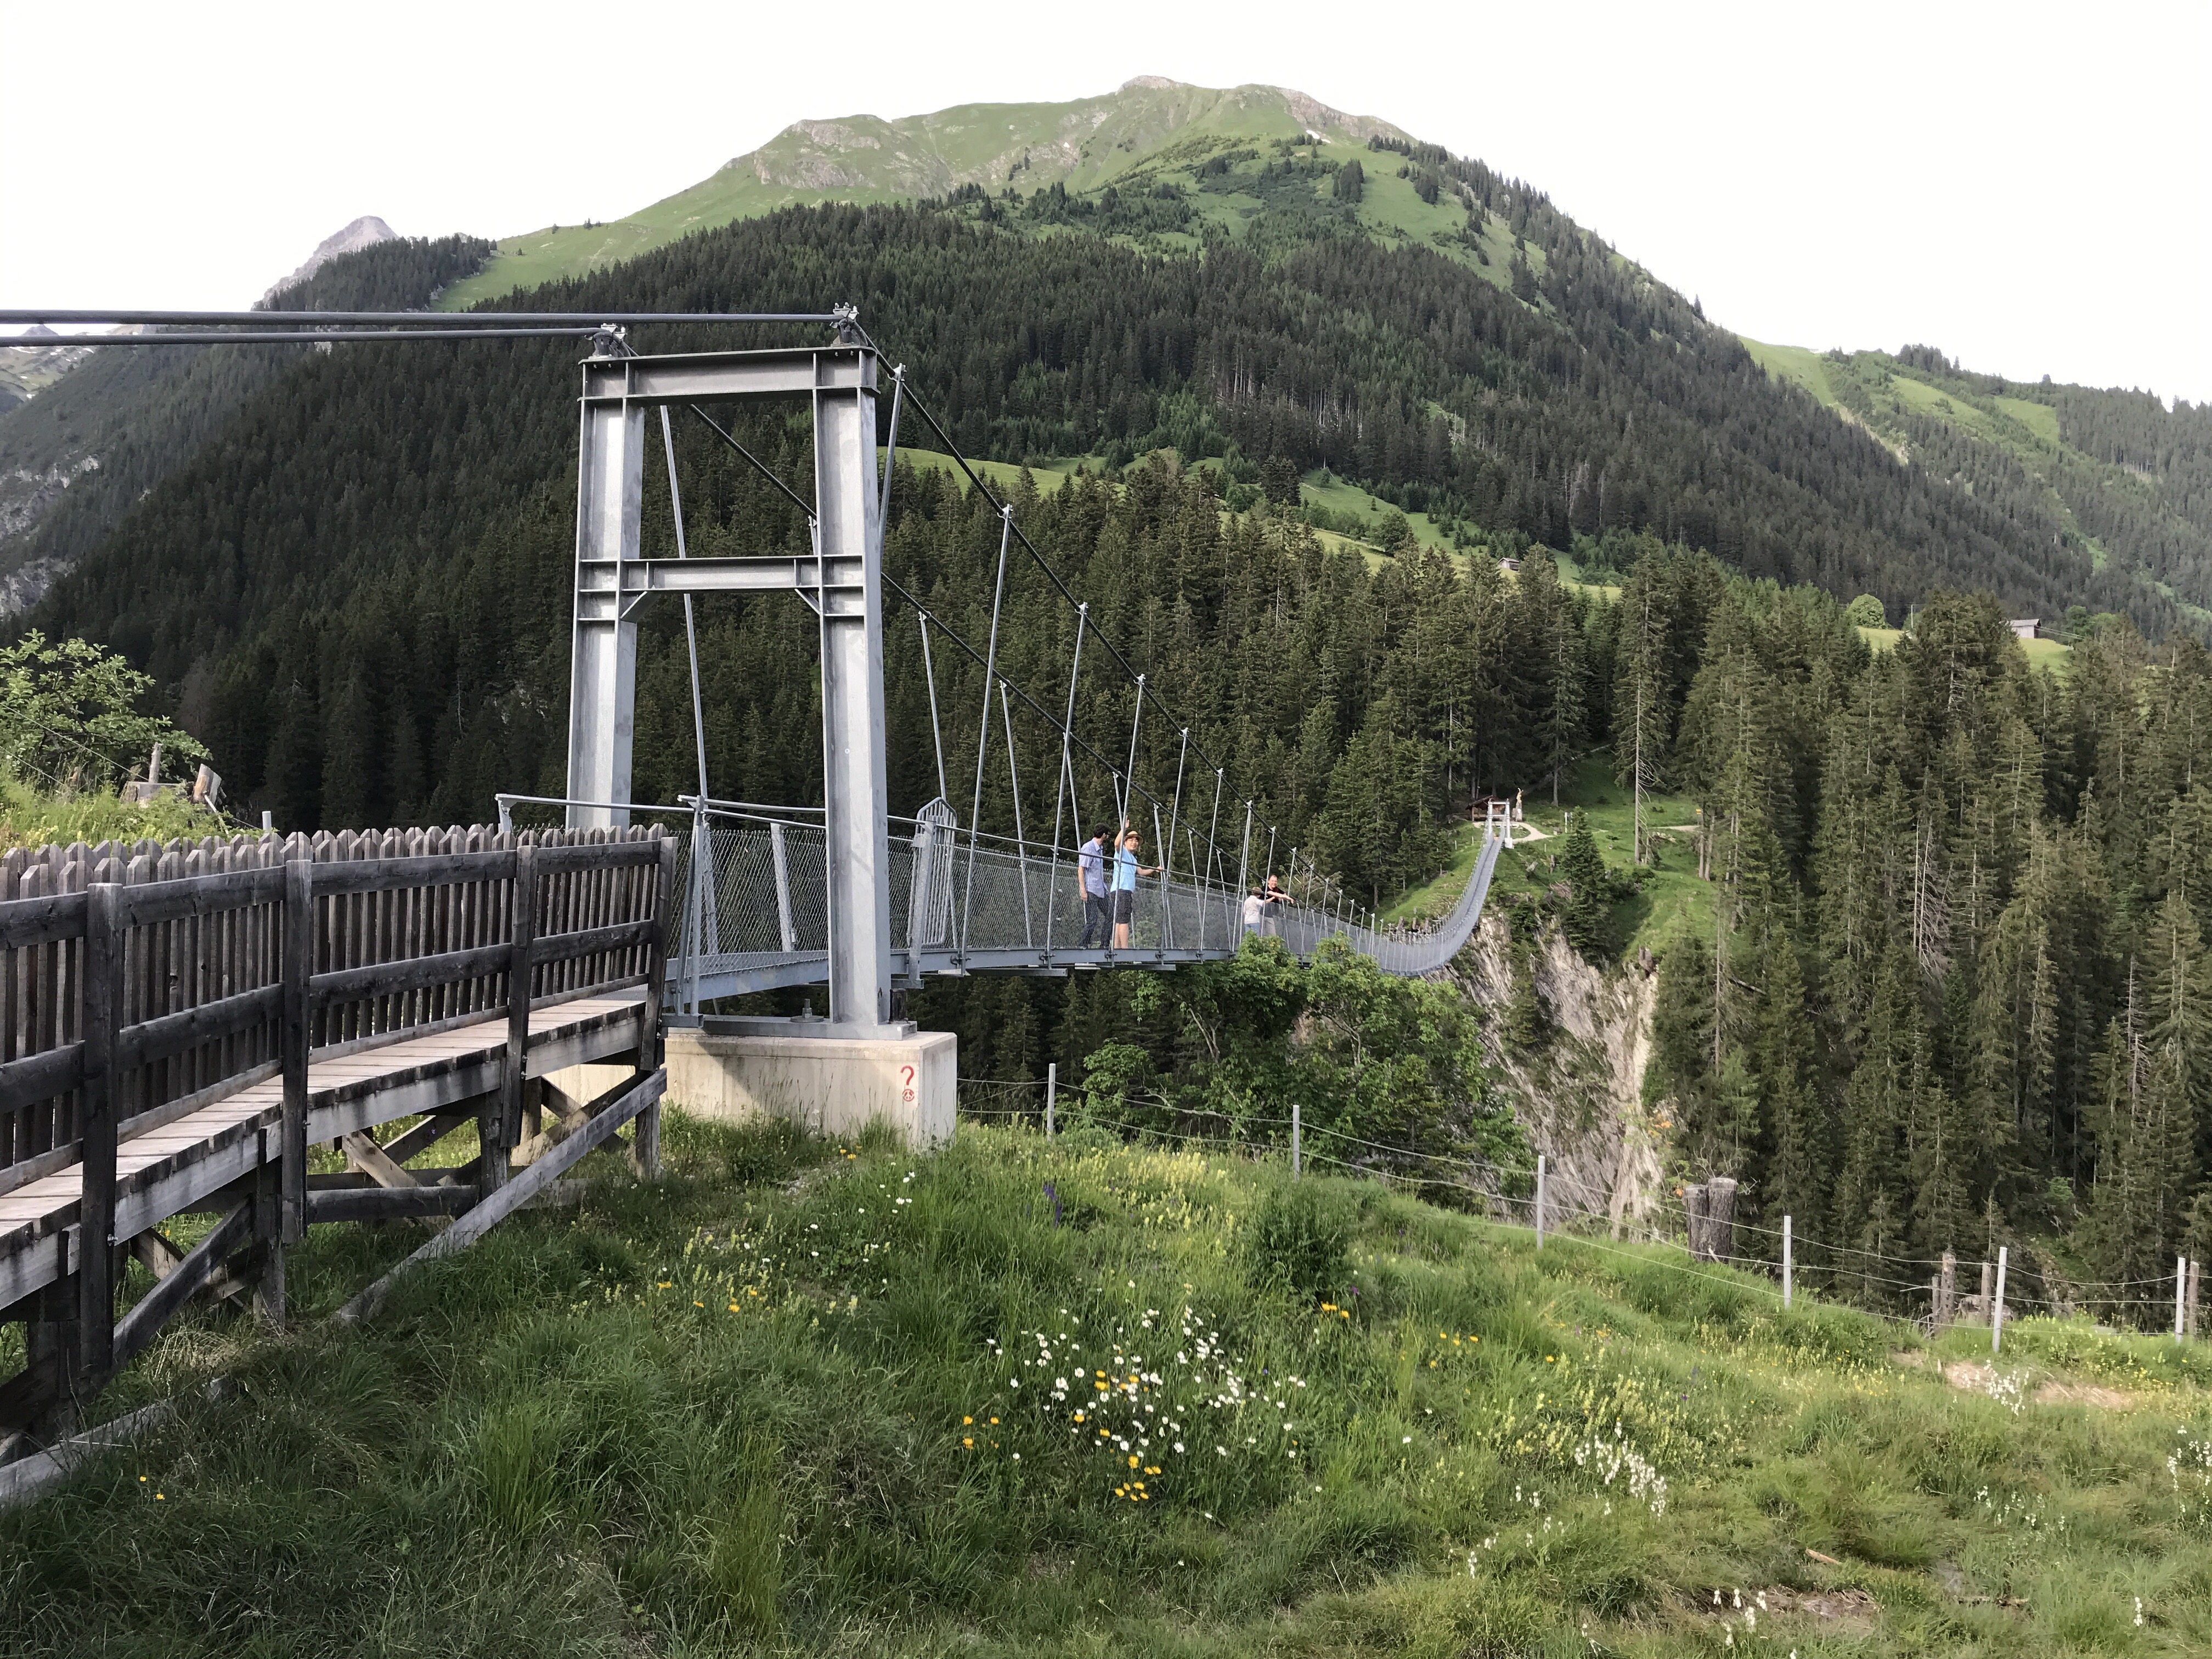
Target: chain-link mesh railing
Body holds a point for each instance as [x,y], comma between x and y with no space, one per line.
[756,912]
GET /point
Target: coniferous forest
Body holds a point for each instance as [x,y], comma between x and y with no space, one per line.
[1956,988]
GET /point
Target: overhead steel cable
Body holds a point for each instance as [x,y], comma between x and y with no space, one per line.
[589,319]
[297,337]
[762,466]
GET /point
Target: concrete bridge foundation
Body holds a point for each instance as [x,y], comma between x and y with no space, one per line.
[736,1070]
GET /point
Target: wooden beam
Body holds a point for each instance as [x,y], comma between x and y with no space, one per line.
[144,1321]
[364,1154]
[406,1148]
[387,1204]
[156,1253]
[608,1113]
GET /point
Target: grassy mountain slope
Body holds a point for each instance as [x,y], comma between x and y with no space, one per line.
[1015,1398]
[1083,146]
[1974,428]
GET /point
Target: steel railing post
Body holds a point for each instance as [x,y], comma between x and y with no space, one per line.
[785,930]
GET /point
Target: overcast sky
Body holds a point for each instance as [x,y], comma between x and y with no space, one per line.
[2026,187]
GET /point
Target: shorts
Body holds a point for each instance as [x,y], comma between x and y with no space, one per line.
[1125,905]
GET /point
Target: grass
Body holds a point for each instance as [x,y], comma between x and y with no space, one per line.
[29,818]
[772,1406]
[1670,899]
[1796,364]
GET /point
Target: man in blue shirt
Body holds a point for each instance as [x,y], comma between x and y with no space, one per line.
[1091,883]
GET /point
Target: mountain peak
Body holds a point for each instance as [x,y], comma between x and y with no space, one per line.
[364,232]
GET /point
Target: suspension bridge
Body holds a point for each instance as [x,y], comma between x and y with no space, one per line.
[180,1025]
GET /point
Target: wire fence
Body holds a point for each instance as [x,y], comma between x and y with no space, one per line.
[2034,1284]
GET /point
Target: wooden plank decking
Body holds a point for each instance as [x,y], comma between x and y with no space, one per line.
[178,1166]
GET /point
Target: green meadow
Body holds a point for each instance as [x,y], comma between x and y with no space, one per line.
[1082,1397]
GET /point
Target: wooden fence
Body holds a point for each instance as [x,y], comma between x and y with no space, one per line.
[412,931]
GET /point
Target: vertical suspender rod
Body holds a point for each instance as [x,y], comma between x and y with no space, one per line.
[983,723]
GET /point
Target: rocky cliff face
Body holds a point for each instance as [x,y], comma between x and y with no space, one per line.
[365,232]
[1580,1089]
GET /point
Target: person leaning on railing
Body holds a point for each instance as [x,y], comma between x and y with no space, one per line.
[1126,872]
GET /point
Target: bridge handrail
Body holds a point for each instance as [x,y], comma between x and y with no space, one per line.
[157,980]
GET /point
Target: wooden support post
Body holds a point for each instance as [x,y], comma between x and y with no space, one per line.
[1720,1218]
[1986,1271]
[502,1112]
[1694,1201]
[1996,1308]
[1051,1090]
[269,1244]
[1789,1260]
[1540,1201]
[2180,1294]
[2196,1289]
[46,1404]
[299,964]
[1295,1151]
[1947,1291]
[103,1015]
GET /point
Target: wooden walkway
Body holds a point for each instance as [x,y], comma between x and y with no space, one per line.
[183,1166]
[178,1026]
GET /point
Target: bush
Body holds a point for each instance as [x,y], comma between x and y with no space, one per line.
[1866,611]
[1302,1236]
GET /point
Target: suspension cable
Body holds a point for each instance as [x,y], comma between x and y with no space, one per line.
[761,467]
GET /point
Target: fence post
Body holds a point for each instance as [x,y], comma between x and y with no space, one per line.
[2195,1290]
[1986,1281]
[644,1137]
[2180,1293]
[1996,1308]
[1788,1261]
[1294,1140]
[1540,1201]
[1051,1089]
[1947,1290]
[103,1016]
[495,1122]
[1720,1218]
[298,965]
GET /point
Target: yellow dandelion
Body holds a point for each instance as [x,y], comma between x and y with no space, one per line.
[734,1307]
[1132,1462]
[1079,1418]
[969,1441]
[965,1421]
[994,1419]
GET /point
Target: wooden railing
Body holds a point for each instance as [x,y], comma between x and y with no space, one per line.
[139,983]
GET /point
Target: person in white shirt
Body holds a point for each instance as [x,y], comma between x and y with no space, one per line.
[1256,908]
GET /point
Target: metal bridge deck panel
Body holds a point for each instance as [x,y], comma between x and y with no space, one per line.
[167,1170]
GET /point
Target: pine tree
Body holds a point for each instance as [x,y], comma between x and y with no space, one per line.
[1590,899]
[1643,715]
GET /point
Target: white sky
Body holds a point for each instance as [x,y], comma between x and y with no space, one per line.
[2026,187]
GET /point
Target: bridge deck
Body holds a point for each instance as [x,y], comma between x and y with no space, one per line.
[178,1166]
